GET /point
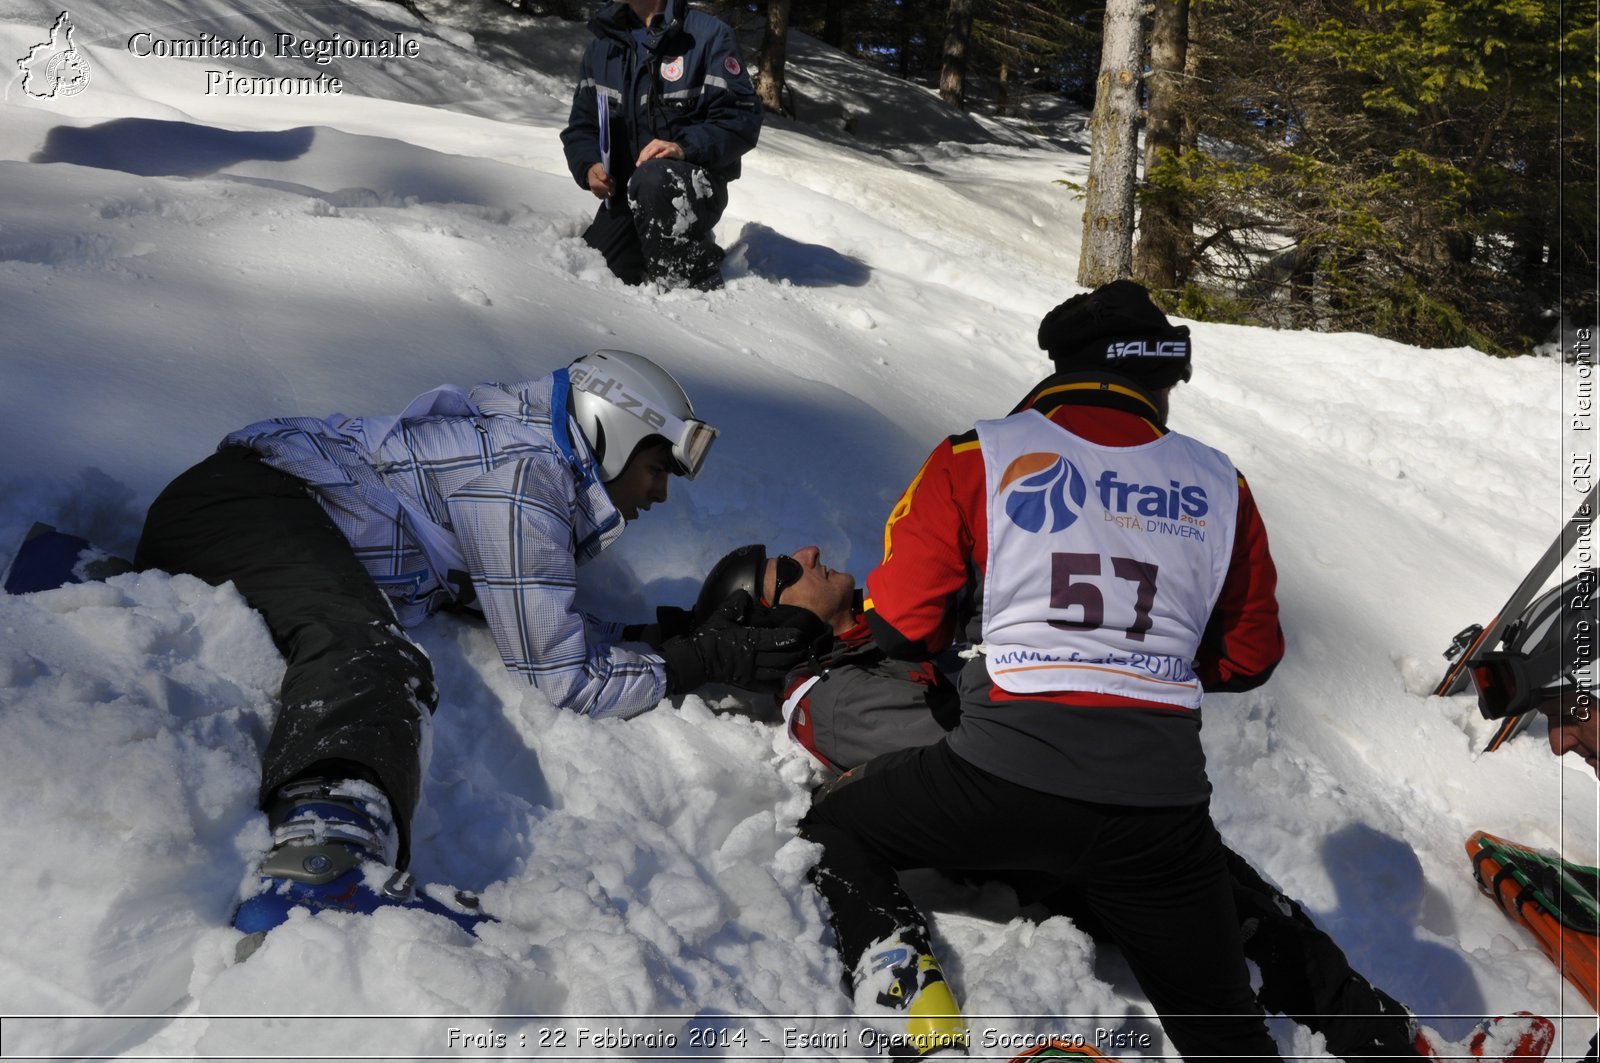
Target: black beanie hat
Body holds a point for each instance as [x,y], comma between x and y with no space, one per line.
[1117,328]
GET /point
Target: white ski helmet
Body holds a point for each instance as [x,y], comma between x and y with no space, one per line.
[620,399]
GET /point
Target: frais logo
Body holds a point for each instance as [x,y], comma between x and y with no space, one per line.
[1175,501]
[1043,492]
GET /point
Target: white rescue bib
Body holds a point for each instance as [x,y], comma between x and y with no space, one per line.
[1104,562]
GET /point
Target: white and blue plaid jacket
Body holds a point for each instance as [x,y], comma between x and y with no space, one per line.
[481,498]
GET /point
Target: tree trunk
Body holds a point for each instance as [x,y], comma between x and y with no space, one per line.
[774,54]
[833,31]
[957,34]
[1169,48]
[1303,286]
[1193,55]
[1107,252]
[1165,232]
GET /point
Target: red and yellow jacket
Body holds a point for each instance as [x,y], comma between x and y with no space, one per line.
[936,549]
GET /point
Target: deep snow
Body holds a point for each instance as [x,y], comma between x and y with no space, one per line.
[174,265]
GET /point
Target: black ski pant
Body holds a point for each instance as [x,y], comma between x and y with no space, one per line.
[1307,977]
[1155,878]
[661,231]
[356,692]
[1304,974]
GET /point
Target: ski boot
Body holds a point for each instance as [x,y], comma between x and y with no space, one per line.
[333,849]
[901,976]
[1520,1038]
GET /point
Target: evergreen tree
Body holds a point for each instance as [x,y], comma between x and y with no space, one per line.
[1391,166]
[1038,46]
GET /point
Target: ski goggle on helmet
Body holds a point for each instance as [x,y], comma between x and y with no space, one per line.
[1548,651]
[620,399]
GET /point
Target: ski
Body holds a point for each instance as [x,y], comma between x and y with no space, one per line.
[1556,901]
[1478,637]
[48,559]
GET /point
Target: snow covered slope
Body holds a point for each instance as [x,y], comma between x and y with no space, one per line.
[174,265]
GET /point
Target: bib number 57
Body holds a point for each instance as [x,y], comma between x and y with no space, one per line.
[1070,587]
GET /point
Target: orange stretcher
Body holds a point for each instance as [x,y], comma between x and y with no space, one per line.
[1555,900]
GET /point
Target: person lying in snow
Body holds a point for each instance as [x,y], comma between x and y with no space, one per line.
[342,531]
[855,703]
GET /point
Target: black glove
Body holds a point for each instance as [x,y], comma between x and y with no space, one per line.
[670,623]
[744,645]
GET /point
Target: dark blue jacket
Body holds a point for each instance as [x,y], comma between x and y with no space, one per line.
[691,87]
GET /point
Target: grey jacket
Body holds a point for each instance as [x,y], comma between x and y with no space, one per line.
[857,702]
